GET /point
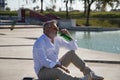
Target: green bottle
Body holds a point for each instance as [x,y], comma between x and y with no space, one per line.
[65,36]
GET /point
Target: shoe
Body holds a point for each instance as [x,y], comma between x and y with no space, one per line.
[96,77]
[87,77]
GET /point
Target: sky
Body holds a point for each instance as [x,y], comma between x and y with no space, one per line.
[16,4]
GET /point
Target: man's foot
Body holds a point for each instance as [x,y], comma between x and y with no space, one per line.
[87,77]
[96,77]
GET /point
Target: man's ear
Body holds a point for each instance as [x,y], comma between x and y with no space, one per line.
[47,31]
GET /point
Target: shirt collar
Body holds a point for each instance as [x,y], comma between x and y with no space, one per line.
[46,37]
[48,40]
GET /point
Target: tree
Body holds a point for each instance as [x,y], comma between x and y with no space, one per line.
[41,10]
[66,4]
[87,9]
[98,3]
[36,8]
[7,9]
[53,7]
[111,3]
[42,4]
[85,6]
[49,9]
[104,3]
[89,3]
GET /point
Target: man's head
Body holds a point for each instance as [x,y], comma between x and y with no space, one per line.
[50,28]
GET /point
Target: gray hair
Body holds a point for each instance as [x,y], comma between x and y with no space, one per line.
[48,24]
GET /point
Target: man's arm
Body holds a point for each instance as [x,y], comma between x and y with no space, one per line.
[42,58]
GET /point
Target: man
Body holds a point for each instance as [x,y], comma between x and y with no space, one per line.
[45,54]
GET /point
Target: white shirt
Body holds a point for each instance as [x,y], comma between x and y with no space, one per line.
[45,53]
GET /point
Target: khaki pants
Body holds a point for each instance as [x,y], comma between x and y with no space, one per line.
[56,73]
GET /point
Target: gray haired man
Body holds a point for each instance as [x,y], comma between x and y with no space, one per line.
[45,54]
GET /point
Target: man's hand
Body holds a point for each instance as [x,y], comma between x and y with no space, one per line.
[67,70]
[65,31]
[62,67]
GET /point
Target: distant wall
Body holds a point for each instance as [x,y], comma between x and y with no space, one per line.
[67,23]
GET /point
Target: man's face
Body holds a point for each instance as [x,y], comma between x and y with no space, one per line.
[52,32]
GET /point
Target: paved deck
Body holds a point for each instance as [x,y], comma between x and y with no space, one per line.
[16,56]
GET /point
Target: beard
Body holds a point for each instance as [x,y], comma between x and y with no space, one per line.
[52,35]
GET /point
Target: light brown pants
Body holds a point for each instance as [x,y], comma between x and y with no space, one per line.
[56,73]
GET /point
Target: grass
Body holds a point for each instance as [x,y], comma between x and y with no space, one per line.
[105,14]
[104,19]
[10,13]
[100,22]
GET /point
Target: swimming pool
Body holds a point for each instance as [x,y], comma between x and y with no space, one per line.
[102,41]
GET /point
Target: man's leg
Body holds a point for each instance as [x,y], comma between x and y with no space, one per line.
[53,74]
[78,62]
[71,57]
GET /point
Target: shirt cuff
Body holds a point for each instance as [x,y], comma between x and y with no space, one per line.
[73,44]
[52,64]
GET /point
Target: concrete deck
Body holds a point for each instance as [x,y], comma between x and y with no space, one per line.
[16,56]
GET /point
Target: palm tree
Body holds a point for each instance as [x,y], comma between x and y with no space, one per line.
[41,10]
[89,3]
[66,4]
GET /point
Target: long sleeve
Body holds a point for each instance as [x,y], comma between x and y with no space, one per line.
[43,54]
[42,58]
[68,44]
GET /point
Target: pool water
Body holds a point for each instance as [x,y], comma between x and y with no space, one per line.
[102,41]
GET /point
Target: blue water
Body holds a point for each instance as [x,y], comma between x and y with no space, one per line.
[102,41]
